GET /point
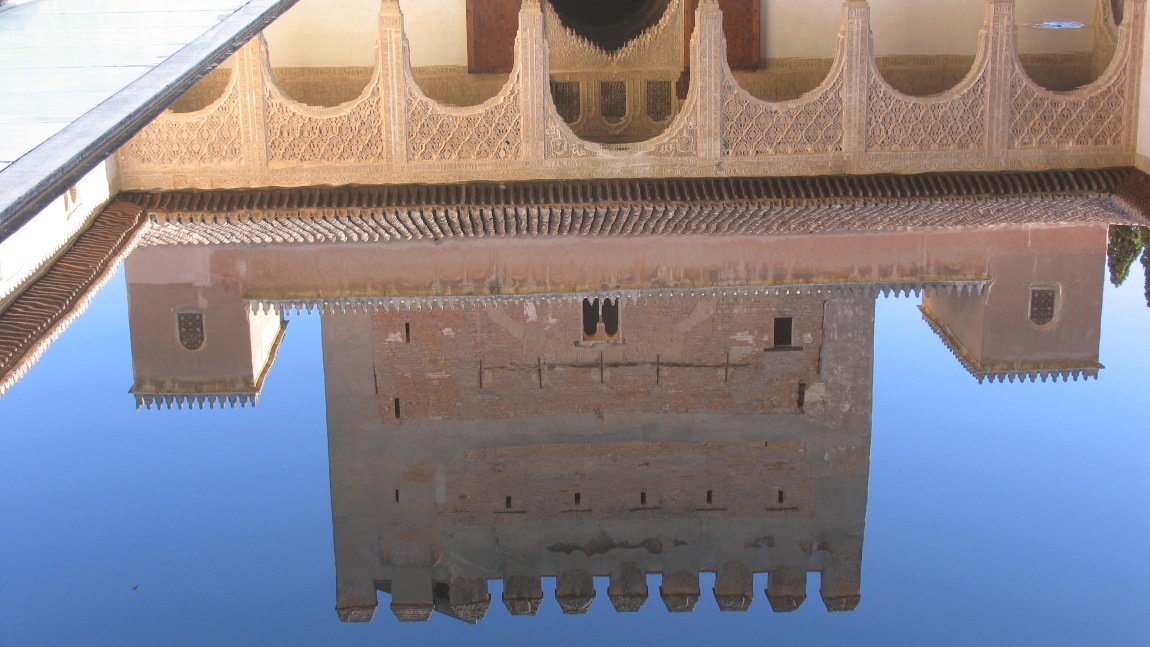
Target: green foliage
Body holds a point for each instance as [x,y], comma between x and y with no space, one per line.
[1125,244]
[1146,261]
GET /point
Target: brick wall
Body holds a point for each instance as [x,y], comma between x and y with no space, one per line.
[518,361]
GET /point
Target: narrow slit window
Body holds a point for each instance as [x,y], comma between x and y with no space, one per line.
[395,407]
[710,497]
[407,333]
[578,498]
[802,396]
[610,317]
[781,496]
[642,498]
[783,331]
[507,503]
[397,496]
[590,318]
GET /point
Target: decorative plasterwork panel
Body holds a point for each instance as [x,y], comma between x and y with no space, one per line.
[810,125]
[852,123]
[349,133]
[659,46]
[488,132]
[1092,116]
[898,123]
[212,136]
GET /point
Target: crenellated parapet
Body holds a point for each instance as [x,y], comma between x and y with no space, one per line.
[855,122]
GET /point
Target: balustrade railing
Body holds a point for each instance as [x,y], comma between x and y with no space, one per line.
[997,118]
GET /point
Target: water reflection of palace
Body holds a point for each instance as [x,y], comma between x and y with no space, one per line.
[556,408]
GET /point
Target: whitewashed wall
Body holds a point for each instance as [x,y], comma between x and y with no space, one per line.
[321,33]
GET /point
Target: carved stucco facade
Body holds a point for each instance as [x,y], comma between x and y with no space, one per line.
[854,122]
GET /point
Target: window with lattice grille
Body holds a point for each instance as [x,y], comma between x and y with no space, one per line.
[613,100]
[659,100]
[190,327]
[567,100]
[1043,304]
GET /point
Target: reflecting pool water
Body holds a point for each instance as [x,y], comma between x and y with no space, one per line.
[919,436]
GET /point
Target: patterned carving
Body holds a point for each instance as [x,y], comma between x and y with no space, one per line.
[752,127]
[899,123]
[488,132]
[1042,305]
[343,134]
[190,326]
[613,100]
[561,143]
[851,123]
[659,103]
[1093,117]
[567,100]
[210,137]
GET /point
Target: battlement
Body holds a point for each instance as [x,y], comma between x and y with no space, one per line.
[467,599]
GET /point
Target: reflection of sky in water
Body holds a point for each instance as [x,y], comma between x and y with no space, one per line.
[997,514]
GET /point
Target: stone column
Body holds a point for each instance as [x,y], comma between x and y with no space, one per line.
[391,58]
[1133,31]
[534,80]
[999,24]
[856,77]
[252,68]
[708,69]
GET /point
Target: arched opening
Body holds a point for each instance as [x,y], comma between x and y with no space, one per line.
[923,49]
[618,66]
[796,43]
[322,52]
[462,51]
[206,91]
[610,24]
[1066,44]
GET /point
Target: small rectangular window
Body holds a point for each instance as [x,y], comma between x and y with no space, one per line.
[407,333]
[578,498]
[601,321]
[710,497]
[781,496]
[783,331]
[395,403]
[507,503]
[642,498]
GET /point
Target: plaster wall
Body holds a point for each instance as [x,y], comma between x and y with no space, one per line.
[338,33]
[26,251]
[342,33]
[420,503]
